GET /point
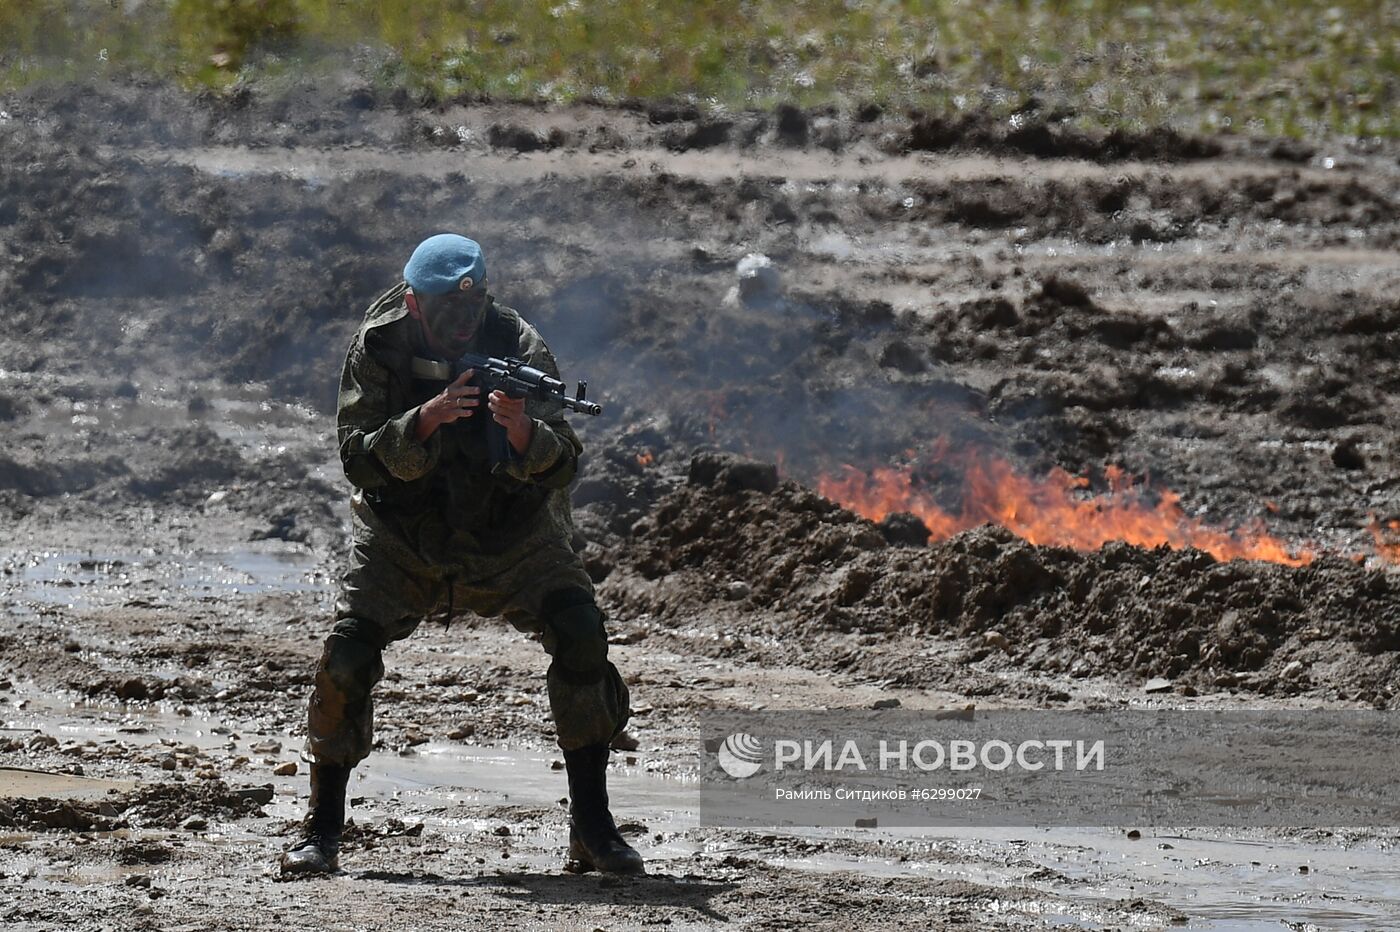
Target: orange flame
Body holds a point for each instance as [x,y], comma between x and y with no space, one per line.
[1053,511]
[1385,539]
[645,458]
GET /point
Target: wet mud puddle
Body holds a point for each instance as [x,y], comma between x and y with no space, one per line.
[1222,881]
[104,579]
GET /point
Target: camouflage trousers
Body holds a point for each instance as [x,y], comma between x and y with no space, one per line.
[541,589]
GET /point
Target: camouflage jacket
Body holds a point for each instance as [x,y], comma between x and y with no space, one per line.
[440,497]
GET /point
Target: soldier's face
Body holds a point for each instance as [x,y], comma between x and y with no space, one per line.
[454,318]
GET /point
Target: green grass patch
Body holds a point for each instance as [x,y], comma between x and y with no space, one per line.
[1315,68]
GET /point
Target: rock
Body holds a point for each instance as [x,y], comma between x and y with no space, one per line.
[462,731]
[1157,685]
[705,133]
[736,591]
[705,468]
[759,281]
[267,747]
[732,473]
[289,769]
[517,137]
[886,704]
[281,527]
[195,824]
[1134,833]
[501,830]
[168,763]
[901,356]
[133,689]
[996,639]
[752,476]
[1292,668]
[1346,455]
[261,795]
[792,125]
[556,764]
[967,713]
[903,529]
[869,112]
[1066,291]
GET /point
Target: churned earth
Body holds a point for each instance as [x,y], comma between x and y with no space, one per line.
[1216,319]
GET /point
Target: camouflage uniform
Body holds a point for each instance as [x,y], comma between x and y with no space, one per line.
[435,530]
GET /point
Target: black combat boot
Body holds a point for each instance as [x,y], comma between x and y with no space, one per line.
[317,851]
[594,841]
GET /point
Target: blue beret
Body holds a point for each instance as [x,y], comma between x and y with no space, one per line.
[440,263]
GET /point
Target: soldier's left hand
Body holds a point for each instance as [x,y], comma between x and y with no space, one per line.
[510,413]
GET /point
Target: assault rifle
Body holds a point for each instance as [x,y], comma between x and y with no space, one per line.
[517,380]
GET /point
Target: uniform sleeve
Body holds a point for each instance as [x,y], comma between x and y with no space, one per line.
[377,445]
[552,457]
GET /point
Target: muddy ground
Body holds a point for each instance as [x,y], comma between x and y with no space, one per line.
[178,279]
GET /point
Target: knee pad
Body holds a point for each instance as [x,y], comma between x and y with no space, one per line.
[580,639]
[587,713]
[351,664]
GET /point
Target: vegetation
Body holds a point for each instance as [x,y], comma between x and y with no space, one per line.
[1300,68]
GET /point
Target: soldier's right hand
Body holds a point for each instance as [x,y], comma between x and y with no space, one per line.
[457,401]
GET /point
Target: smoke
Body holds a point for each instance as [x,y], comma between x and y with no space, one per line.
[173,260]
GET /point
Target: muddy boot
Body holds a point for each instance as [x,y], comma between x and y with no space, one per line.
[594,841]
[317,851]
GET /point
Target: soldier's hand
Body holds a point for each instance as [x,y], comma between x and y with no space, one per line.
[457,401]
[510,413]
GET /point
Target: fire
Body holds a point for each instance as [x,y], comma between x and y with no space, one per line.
[645,458]
[1386,539]
[1054,511]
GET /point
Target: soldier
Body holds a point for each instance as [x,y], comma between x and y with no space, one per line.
[436,528]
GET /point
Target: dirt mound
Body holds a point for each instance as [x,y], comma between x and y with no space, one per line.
[1227,371]
[168,805]
[152,114]
[1123,611]
[1048,136]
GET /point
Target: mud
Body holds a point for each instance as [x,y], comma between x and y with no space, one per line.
[800,570]
[160,806]
[179,277]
